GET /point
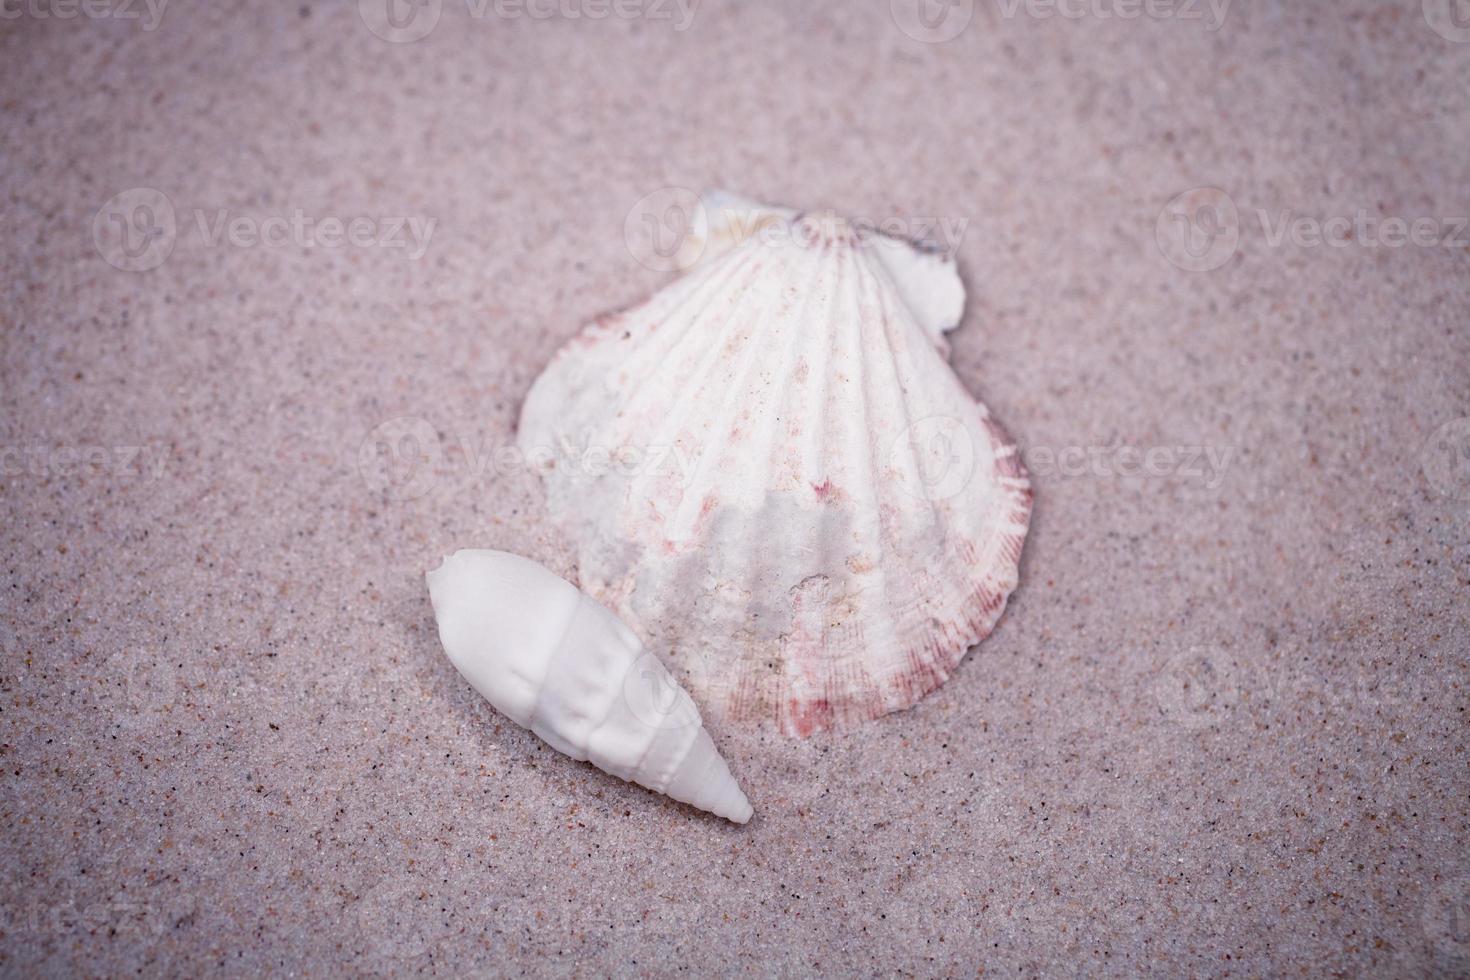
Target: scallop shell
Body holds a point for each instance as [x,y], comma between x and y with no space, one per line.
[769,469]
[562,665]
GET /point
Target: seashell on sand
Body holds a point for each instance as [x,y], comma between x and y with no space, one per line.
[560,664]
[769,469]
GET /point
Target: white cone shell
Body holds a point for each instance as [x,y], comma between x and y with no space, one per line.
[560,664]
[770,470]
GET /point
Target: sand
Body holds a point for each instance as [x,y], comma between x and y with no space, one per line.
[1221,729]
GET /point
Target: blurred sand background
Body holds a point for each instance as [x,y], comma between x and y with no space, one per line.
[1221,730]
